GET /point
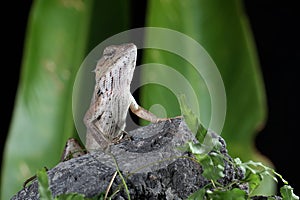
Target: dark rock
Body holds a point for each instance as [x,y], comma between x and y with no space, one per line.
[152,164]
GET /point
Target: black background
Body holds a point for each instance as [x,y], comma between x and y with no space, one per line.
[275,29]
[274,26]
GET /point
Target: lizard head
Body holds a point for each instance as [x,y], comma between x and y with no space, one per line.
[117,59]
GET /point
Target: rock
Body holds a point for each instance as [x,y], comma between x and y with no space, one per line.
[151,163]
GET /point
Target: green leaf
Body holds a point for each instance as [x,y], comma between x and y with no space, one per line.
[44,191]
[198,195]
[212,163]
[213,166]
[234,194]
[262,170]
[253,180]
[201,133]
[192,120]
[257,175]
[196,149]
[189,116]
[42,120]
[287,193]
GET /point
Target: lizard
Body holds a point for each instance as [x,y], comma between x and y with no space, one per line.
[105,119]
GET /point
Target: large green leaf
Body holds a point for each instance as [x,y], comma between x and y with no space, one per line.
[42,119]
[221,27]
[59,34]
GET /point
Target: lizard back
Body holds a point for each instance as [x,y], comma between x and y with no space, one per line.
[111,97]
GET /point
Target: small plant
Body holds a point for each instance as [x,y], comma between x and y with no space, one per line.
[213,165]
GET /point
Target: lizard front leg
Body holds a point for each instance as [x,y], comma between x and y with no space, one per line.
[94,138]
[143,113]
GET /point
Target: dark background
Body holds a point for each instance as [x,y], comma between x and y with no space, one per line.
[274,26]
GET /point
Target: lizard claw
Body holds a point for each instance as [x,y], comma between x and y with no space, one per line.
[167,119]
[123,137]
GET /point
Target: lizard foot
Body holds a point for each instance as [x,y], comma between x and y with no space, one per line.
[167,119]
[123,137]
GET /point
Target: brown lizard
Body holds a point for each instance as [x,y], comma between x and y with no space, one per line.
[106,117]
